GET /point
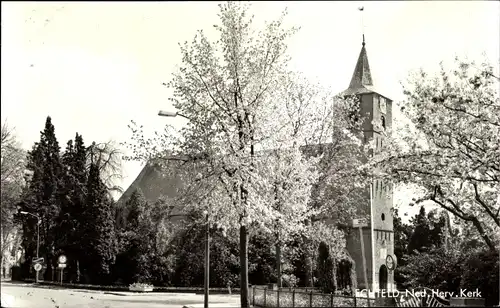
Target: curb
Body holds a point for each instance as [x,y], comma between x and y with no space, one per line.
[215,305]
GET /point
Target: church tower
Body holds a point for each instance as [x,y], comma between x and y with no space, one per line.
[378,236]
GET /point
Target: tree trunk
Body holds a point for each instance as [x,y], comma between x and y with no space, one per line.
[354,278]
[309,269]
[278,263]
[483,234]
[77,271]
[334,274]
[244,267]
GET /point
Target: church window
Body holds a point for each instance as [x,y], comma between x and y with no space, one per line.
[383,216]
[382,120]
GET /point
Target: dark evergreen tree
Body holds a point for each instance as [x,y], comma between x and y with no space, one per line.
[97,226]
[427,231]
[326,270]
[437,226]
[402,234]
[73,196]
[224,262]
[133,261]
[261,259]
[42,198]
[481,271]
[421,230]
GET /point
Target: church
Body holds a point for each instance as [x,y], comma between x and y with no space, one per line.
[378,234]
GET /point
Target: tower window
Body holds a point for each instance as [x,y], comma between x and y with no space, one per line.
[383,216]
[382,119]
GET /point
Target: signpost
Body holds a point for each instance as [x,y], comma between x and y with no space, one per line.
[62,259]
[360,223]
[37,267]
[62,265]
[389,262]
[38,260]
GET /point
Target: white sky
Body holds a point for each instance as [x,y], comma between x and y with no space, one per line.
[93,67]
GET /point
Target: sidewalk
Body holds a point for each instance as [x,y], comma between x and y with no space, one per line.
[214,305]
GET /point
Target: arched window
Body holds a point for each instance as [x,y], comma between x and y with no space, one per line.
[382,119]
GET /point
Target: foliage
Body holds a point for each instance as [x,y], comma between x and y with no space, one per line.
[73,200]
[68,194]
[12,183]
[190,257]
[251,121]
[452,269]
[480,270]
[225,89]
[98,229]
[402,234]
[462,261]
[434,268]
[452,150]
[108,157]
[42,197]
[326,270]
[426,231]
[139,258]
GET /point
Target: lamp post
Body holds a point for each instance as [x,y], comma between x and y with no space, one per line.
[207,260]
[163,113]
[37,235]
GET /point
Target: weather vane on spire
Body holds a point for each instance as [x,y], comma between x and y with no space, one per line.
[361,9]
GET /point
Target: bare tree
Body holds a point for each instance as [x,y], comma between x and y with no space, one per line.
[12,183]
[109,159]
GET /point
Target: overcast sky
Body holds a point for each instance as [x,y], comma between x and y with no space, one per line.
[93,67]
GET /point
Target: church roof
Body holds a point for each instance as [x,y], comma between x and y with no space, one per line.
[361,81]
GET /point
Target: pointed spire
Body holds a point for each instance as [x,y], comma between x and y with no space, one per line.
[361,81]
[362,77]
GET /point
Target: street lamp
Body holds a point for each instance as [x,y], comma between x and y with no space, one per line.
[163,113]
[207,259]
[37,235]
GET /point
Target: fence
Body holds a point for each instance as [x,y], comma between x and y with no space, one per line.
[264,297]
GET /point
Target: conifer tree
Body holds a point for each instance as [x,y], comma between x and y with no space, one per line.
[73,194]
[420,237]
[42,197]
[98,230]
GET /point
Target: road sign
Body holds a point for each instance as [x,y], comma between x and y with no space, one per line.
[62,259]
[39,260]
[62,265]
[360,222]
[390,263]
[37,267]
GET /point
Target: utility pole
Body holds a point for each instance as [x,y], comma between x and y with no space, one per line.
[207,261]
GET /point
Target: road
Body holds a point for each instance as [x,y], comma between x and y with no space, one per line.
[17,295]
